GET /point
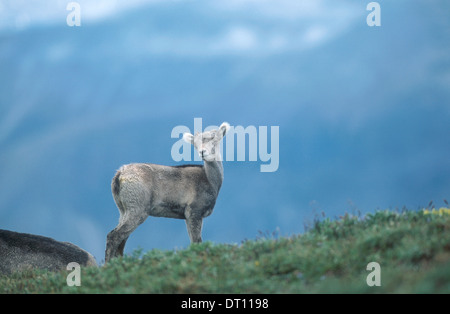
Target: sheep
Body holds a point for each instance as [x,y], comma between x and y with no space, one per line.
[183,192]
[22,251]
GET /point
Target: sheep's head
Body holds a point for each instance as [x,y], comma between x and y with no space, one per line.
[207,143]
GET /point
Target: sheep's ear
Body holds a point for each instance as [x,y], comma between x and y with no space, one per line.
[188,137]
[223,129]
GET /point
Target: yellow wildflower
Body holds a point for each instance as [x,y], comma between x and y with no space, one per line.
[442,211]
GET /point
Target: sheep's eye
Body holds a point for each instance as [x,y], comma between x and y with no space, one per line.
[208,136]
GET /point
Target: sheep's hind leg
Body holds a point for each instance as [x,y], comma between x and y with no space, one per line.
[116,239]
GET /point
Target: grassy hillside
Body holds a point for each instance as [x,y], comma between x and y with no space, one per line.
[412,248]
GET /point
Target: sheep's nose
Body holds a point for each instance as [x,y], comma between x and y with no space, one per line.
[202,152]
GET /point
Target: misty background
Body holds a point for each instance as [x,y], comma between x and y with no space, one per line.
[363,112]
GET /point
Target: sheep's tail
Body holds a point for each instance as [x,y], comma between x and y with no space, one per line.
[115,184]
[115,188]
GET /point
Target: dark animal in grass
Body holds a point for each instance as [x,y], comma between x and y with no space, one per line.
[22,251]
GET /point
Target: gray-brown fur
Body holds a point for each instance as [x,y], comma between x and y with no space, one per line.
[183,192]
[21,251]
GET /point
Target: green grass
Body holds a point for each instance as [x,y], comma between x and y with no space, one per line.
[412,248]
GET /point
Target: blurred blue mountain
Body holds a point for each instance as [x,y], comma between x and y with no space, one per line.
[364,113]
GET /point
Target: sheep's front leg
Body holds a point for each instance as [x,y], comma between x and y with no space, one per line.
[194,228]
